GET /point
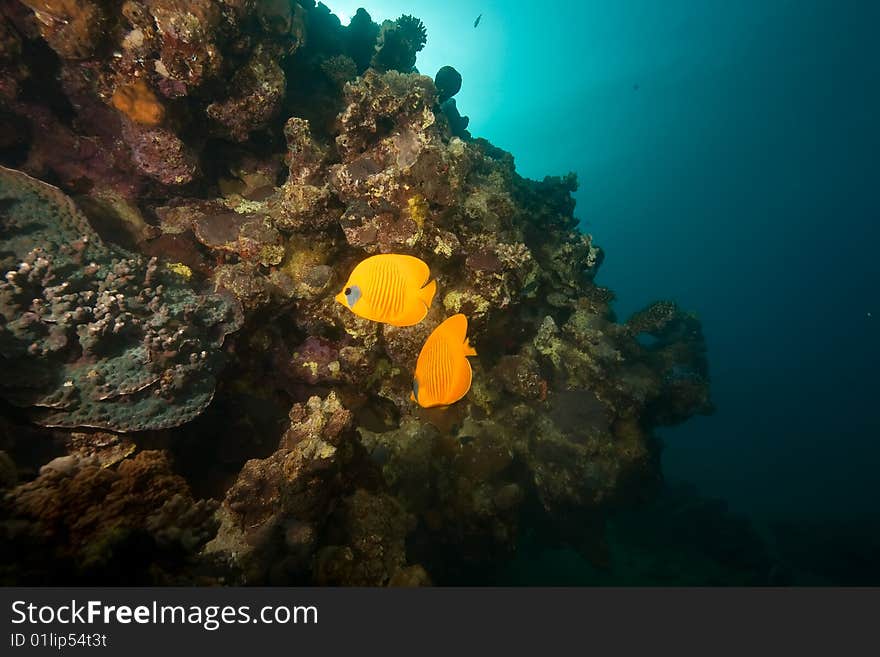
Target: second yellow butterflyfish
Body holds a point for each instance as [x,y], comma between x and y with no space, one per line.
[443,373]
[389,288]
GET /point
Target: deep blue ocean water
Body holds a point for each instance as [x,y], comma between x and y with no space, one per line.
[727,154]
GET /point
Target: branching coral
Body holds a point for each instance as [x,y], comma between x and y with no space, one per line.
[398,43]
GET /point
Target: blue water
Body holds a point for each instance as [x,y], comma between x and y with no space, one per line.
[728,159]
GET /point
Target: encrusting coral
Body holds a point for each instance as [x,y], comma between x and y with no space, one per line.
[262,150]
[93,336]
[139,103]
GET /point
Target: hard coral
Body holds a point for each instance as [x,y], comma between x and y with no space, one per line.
[93,335]
[107,524]
[398,43]
[652,319]
[187,31]
[273,514]
[372,530]
[256,93]
[160,154]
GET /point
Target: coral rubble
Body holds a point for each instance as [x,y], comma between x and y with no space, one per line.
[251,154]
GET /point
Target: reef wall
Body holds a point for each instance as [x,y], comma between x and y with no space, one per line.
[212,171]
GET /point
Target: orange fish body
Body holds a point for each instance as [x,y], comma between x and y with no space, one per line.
[389,288]
[443,373]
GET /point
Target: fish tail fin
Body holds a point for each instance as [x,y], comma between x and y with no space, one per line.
[468,349]
[426,294]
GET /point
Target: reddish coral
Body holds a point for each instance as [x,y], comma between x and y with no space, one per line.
[160,154]
[257,90]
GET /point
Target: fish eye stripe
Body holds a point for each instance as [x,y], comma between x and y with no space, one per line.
[352,295]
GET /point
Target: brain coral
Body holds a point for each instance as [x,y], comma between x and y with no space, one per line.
[91,335]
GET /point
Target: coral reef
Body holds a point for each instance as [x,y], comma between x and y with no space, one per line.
[93,336]
[248,156]
[74,29]
[135,522]
[258,88]
[277,511]
[398,43]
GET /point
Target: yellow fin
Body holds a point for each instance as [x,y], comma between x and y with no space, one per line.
[415,269]
[454,328]
[414,313]
[462,383]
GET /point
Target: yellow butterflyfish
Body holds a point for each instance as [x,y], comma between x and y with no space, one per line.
[443,373]
[389,288]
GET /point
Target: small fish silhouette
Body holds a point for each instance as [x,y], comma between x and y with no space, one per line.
[477,22]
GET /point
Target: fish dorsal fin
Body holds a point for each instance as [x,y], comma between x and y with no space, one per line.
[458,326]
[455,328]
[414,269]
